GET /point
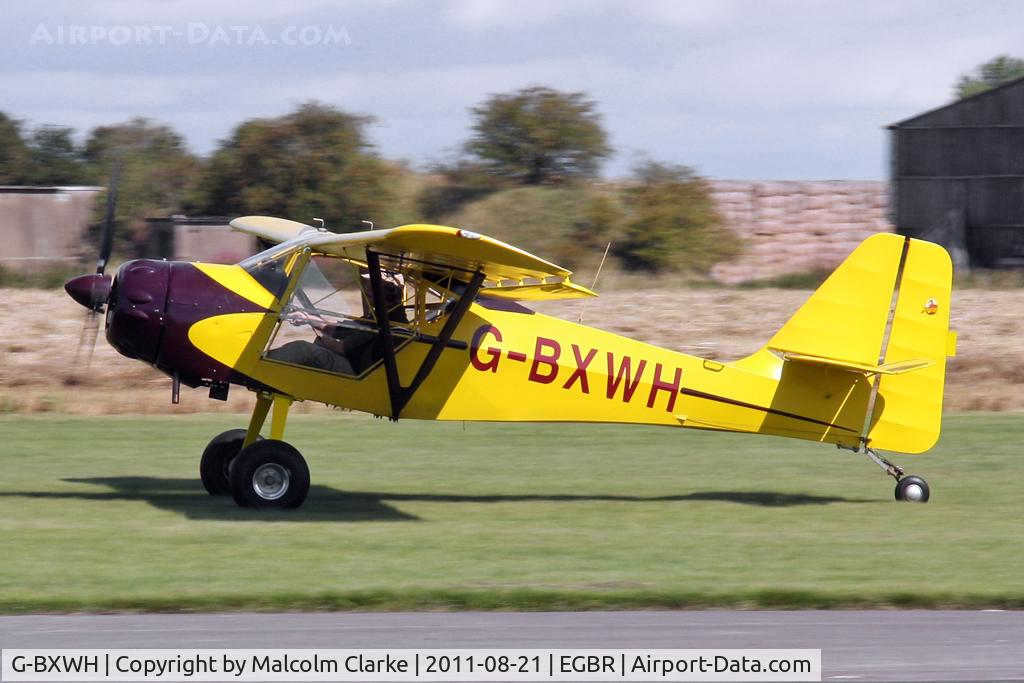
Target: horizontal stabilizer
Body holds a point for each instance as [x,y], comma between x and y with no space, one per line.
[894,368]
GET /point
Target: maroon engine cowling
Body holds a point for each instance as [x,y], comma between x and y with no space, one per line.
[136,307]
[151,307]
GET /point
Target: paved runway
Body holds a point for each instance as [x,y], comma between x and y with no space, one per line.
[856,645]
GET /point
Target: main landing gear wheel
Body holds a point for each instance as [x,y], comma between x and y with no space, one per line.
[269,474]
[913,489]
[213,466]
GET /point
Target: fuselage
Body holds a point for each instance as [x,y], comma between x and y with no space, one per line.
[210,323]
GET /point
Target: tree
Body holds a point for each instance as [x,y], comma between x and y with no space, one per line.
[312,163]
[996,71]
[458,183]
[597,224]
[53,158]
[13,153]
[156,171]
[47,156]
[672,222]
[539,135]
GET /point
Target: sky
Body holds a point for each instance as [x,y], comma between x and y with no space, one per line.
[737,89]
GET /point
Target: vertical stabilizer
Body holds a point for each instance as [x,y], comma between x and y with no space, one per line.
[846,317]
[872,339]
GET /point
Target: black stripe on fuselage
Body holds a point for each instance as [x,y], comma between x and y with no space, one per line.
[771,411]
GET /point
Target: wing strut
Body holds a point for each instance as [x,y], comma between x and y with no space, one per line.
[398,394]
[381,313]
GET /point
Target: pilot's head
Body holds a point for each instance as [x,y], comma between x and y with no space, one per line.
[394,295]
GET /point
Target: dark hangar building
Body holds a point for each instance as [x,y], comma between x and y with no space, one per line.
[958,177]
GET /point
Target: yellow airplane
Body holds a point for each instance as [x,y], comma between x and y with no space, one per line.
[426,322]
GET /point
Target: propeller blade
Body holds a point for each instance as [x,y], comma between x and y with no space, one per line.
[107,234]
[93,290]
[85,349]
[90,331]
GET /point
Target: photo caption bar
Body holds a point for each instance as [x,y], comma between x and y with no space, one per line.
[453,664]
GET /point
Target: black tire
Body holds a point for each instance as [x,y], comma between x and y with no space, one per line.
[213,466]
[912,489]
[269,474]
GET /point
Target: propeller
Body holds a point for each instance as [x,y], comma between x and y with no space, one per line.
[107,235]
[93,290]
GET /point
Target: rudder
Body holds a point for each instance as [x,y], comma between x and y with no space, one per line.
[908,416]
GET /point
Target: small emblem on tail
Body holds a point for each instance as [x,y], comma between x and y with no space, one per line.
[931,306]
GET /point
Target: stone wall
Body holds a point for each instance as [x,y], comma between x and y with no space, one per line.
[797,226]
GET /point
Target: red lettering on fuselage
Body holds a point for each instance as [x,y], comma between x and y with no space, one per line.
[544,368]
[494,355]
[580,373]
[549,359]
[615,379]
[660,385]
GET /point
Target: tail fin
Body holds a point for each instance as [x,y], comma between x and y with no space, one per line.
[883,314]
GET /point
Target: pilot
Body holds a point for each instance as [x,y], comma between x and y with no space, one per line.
[394,296]
[340,349]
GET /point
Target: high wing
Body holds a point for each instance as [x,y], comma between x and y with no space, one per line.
[271,229]
[432,250]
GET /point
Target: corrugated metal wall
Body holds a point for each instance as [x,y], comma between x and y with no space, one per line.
[966,160]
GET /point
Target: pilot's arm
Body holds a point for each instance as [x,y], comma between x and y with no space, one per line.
[343,340]
[332,337]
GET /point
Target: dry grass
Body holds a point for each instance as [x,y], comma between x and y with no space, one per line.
[40,331]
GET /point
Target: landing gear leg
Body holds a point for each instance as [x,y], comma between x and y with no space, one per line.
[259,416]
[908,487]
[262,473]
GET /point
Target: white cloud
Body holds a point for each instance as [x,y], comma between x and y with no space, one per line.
[688,15]
[487,14]
[115,93]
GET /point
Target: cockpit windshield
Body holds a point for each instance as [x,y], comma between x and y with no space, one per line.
[269,268]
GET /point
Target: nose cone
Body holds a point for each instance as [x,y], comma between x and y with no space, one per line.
[89,290]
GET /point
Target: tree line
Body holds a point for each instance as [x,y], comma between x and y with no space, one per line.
[317,161]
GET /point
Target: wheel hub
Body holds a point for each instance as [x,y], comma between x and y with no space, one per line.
[913,492]
[270,481]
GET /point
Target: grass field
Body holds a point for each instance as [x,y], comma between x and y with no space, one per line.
[108,513]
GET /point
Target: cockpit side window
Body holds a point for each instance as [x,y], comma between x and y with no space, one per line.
[328,323]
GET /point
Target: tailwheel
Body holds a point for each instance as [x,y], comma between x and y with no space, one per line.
[908,487]
[269,474]
[913,489]
[213,466]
